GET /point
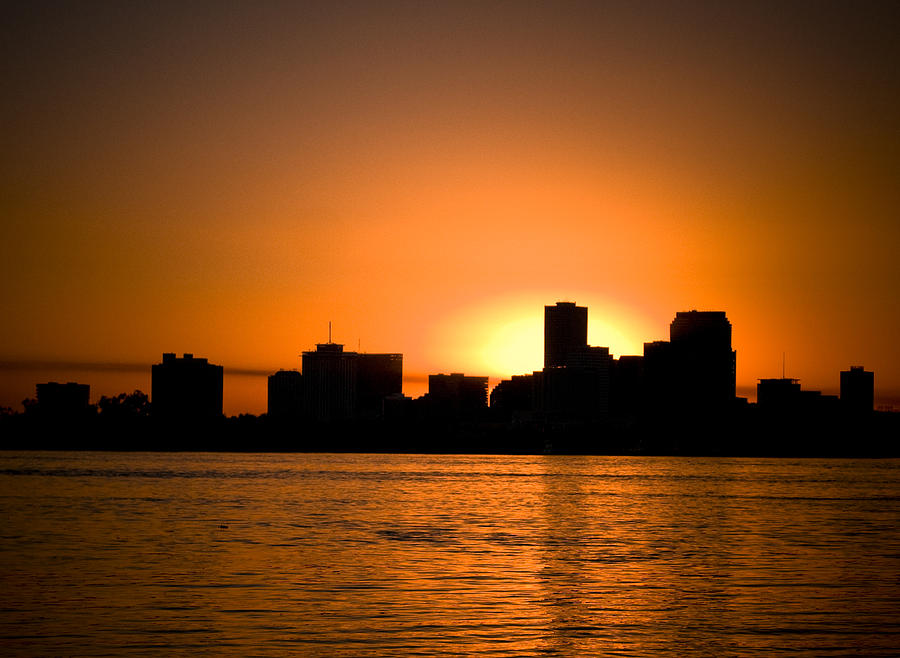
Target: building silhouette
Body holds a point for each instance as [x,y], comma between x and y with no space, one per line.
[565,333]
[574,383]
[658,385]
[70,401]
[329,384]
[340,386]
[378,376]
[857,390]
[626,383]
[285,395]
[785,397]
[703,361]
[513,399]
[456,396]
[186,390]
[780,395]
[573,393]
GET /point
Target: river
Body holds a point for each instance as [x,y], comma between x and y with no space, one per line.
[358,554]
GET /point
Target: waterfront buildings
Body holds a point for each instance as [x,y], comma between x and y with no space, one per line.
[340,386]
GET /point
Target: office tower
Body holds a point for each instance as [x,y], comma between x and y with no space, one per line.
[575,381]
[329,383]
[565,333]
[186,389]
[63,401]
[857,389]
[285,390]
[703,361]
[377,377]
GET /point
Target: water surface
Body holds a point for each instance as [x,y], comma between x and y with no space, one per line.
[141,553]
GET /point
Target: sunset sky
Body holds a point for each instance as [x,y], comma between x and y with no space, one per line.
[225,178]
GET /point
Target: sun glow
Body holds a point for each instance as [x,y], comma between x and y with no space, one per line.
[515,347]
[506,337]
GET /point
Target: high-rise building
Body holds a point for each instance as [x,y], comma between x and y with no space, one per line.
[857,389]
[565,333]
[342,386]
[329,383]
[377,377]
[703,360]
[186,389]
[575,381]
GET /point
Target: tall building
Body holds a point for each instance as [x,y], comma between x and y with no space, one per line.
[377,377]
[703,360]
[186,389]
[329,383]
[285,390]
[342,386]
[858,389]
[575,381]
[565,333]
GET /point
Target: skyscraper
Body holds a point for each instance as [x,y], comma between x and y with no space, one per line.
[329,383]
[565,333]
[703,361]
[377,377]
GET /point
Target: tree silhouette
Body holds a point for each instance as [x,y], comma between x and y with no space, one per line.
[125,406]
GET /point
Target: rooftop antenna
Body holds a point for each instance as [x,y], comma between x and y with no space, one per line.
[329,332]
[782,365]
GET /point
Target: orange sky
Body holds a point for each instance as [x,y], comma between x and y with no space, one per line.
[224,180]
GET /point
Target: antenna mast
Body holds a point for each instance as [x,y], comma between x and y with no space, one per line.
[329,332]
[782,365]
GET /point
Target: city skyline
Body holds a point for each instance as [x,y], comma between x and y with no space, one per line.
[225,180]
[565,333]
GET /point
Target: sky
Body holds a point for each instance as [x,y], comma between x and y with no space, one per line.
[225,178]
